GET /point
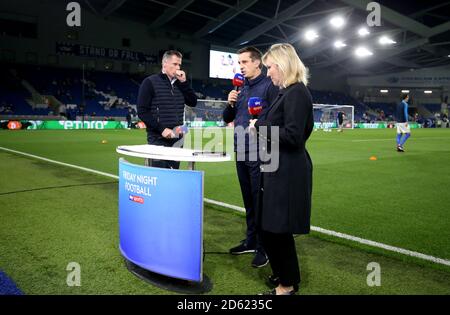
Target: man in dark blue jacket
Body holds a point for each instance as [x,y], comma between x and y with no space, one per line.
[247,163]
[161,103]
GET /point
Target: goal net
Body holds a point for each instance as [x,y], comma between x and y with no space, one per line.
[208,113]
[326,116]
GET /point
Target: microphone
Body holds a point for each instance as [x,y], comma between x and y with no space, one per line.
[180,131]
[255,106]
[238,81]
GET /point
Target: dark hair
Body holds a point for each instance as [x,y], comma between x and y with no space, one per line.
[403,96]
[255,54]
[171,53]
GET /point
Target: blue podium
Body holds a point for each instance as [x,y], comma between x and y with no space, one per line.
[161,217]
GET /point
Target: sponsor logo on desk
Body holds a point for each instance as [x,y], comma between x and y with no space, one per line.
[136,199]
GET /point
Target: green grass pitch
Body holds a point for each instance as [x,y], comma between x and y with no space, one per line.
[51,215]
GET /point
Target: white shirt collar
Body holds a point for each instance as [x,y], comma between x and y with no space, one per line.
[172,81]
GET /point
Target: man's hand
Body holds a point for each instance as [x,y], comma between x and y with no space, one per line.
[180,75]
[252,123]
[168,133]
[232,97]
[252,127]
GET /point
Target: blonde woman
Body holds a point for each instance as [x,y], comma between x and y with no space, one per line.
[285,198]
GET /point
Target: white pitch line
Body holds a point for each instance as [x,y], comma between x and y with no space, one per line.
[383,246]
[240,209]
[225,205]
[61,163]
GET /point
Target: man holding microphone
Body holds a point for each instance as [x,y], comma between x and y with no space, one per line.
[161,103]
[256,85]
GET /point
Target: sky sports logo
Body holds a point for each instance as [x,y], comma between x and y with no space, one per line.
[136,199]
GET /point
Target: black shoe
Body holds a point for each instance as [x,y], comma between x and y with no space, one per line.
[274,292]
[260,259]
[242,249]
[400,149]
[274,281]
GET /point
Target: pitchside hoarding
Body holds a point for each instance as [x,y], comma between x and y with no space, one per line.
[383,125]
[72,124]
[69,125]
[319,125]
[98,124]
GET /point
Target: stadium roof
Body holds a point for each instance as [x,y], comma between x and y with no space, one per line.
[421,29]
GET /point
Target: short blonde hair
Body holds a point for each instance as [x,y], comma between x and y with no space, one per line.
[291,67]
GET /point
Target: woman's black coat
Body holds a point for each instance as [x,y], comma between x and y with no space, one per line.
[285,196]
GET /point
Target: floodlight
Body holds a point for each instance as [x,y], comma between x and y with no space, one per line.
[384,40]
[363,32]
[311,35]
[339,44]
[337,22]
[362,52]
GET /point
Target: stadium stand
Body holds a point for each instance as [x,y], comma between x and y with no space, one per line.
[106,94]
[47,91]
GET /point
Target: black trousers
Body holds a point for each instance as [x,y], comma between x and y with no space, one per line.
[248,174]
[158,140]
[280,249]
[165,164]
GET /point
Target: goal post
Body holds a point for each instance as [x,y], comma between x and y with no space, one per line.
[208,113]
[326,116]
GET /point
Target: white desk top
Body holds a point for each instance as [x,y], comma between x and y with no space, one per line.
[172,154]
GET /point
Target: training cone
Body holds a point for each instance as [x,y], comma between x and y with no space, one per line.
[373,158]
